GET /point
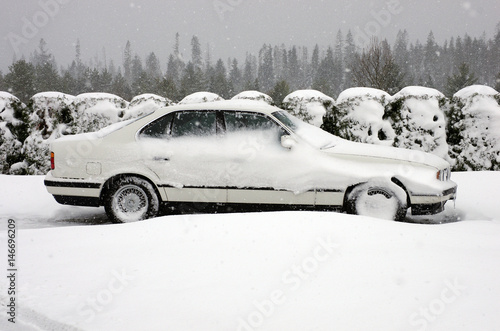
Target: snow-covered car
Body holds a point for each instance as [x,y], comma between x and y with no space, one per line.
[240,152]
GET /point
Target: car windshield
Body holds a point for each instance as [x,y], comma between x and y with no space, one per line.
[310,133]
[117,126]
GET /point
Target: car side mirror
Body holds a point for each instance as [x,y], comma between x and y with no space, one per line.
[287,141]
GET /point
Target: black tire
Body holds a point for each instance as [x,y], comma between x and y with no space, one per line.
[131,199]
[378,200]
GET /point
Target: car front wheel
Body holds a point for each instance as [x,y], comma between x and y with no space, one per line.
[131,199]
[386,201]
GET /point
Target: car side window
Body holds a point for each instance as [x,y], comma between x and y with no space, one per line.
[265,128]
[159,128]
[240,121]
[194,123]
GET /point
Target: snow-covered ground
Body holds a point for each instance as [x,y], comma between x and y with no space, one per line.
[285,270]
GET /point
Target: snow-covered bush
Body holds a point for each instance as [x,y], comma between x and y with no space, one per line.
[308,105]
[93,111]
[145,104]
[50,118]
[14,129]
[474,128]
[200,97]
[254,95]
[358,115]
[418,120]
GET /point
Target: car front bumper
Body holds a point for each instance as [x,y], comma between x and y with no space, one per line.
[432,204]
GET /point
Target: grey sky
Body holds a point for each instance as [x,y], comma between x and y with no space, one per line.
[228,27]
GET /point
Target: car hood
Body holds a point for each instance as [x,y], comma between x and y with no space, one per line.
[386,152]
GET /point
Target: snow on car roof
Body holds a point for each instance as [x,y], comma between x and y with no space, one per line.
[239,104]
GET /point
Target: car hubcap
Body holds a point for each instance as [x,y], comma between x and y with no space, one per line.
[131,199]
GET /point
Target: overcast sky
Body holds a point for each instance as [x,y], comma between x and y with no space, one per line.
[228,27]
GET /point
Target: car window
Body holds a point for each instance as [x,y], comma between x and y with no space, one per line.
[194,123]
[240,121]
[262,126]
[159,128]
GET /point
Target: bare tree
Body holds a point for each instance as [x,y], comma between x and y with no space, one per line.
[377,68]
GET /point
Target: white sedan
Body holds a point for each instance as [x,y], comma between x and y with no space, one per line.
[240,152]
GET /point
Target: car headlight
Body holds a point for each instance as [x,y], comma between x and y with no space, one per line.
[443,175]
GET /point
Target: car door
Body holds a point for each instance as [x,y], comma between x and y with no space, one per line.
[181,148]
[259,169]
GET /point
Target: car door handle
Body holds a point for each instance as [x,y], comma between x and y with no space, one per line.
[160,158]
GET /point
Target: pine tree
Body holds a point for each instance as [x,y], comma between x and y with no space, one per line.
[279,92]
[78,71]
[235,78]
[168,89]
[105,81]
[191,81]
[402,55]
[460,80]
[127,63]
[20,81]
[325,76]
[349,55]
[196,57]
[266,68]
[153,69]
[173,72]
[120,87]
[314,63]
[431,58]
[249,76]
[293,68]
[338,64]
[2,83]
[137,68]
[417,63]
[219,83]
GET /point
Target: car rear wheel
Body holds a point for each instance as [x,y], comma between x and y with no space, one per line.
[386,201]
[131,199]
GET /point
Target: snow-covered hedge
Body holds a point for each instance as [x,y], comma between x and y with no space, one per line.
[200,97]
[93,111]
[254,95]
[51,117]
[474,128]
[418,120]
[412,118]
[358,115]
[145,104]
[308,105]
[13,131]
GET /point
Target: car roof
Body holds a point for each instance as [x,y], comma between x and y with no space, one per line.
[239,105]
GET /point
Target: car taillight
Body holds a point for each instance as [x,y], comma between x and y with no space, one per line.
[52,164]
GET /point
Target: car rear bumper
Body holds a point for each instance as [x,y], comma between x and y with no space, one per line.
[73,191]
